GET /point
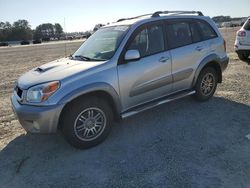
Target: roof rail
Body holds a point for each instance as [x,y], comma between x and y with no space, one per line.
[122,19]
[157,14]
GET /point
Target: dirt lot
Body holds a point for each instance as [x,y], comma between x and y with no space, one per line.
[180,144]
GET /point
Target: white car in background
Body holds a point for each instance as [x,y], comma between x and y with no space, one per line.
[242,42]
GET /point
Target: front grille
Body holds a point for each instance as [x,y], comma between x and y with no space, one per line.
[19,92]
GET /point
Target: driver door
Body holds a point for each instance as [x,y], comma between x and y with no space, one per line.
[149,77]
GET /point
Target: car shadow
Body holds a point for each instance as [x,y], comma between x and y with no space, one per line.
[247,61]
[179,144]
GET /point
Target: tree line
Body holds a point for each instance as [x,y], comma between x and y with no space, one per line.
[21,30]
[218,19]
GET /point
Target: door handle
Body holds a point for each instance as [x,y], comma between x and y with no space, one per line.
[199,48]
[163,59]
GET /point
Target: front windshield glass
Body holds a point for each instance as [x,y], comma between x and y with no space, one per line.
[101,46]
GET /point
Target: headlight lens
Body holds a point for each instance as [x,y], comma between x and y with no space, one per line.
[42,92]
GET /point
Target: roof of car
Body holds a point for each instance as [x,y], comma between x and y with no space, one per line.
[156,16]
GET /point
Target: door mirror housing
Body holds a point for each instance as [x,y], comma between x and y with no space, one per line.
[132,55]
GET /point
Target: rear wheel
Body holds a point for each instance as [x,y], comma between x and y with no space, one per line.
[206,84]
[86,122]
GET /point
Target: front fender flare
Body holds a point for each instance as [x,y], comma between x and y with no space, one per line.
[95,87]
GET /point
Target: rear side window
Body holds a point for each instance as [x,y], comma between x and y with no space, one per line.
[206,30]
[149,41]
[178,34]
[196,35]
[247,25]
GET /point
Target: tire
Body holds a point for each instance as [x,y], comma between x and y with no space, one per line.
[206,84]
[86,122]
[243,56]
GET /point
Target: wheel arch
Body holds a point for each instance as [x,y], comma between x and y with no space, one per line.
[101,90]
[211,61]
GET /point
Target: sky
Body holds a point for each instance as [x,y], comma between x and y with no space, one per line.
[82,15]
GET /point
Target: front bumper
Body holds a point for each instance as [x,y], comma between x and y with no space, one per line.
[37,119]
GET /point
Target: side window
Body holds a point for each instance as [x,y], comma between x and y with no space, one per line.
[140,42]
[149,41]
[206,30]
[196,36]
[178,34]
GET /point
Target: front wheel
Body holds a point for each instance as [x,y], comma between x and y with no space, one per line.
[86,122]
[206,84]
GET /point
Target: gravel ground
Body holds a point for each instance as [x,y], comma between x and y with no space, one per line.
[180,144]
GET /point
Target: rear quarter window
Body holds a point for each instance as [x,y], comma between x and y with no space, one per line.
[247,25]
[206,30]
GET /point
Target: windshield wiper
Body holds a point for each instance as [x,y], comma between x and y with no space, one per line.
[84,58]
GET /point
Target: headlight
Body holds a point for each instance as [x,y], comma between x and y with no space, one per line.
[40,93]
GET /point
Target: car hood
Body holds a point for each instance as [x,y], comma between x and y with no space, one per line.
[55,70]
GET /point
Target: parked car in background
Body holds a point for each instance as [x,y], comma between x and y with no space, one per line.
[25,42]
[4,44]
[124,68]
[242,41]
[38,41]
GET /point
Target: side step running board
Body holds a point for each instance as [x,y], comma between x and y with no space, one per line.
[155,103]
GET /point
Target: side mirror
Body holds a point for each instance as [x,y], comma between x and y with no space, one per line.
[132,55]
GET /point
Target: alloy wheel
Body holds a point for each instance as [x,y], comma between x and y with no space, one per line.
[207,84]
[89,124]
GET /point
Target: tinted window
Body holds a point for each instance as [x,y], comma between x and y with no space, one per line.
[149,41]
[178,34]
[196,36]
[247,25]
[206,30]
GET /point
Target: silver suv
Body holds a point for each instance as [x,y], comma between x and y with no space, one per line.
[242,41]
[124,68]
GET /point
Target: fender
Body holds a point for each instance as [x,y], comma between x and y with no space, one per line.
[99,86]
[220,64]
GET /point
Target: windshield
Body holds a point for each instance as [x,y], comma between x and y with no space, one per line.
[101,46]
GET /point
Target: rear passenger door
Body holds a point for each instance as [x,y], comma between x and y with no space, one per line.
[209,36]
[187,49]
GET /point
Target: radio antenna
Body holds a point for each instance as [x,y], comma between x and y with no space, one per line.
[65,49]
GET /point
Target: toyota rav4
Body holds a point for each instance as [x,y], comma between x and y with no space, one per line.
[124,68]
